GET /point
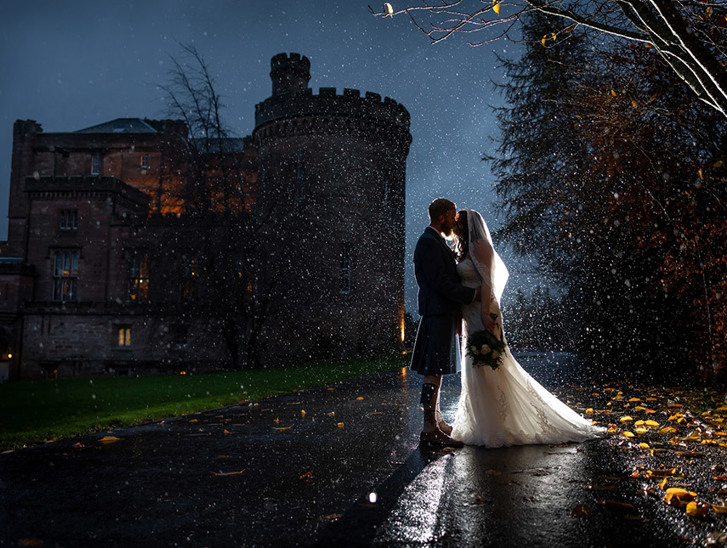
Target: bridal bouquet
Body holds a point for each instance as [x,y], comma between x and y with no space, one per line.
[485,348]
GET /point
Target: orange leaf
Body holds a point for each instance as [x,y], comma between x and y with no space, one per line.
[620,506]
[108,439]
[228,473]
[697,509]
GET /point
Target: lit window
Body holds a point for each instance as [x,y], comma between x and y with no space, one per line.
[139,277]
[69,219]
[144,164]
[65,275]
[95,164]
[124,335]
[346,269]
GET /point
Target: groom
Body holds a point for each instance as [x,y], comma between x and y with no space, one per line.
[436,350]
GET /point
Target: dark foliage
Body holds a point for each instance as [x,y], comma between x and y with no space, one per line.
[612,176]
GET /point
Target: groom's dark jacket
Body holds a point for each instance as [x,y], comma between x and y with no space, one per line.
[440,290]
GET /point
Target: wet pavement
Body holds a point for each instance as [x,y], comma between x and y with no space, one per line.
[330,466]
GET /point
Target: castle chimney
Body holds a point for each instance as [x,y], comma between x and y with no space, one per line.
[289,74]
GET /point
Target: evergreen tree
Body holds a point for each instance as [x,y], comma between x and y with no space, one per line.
[615,185]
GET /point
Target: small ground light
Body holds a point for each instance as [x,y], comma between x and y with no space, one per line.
[372,497]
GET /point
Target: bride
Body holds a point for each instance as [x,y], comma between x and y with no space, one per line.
[504,406]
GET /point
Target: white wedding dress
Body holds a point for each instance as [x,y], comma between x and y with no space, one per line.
[506,406]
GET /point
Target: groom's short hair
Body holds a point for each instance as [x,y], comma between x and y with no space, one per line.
[439,207]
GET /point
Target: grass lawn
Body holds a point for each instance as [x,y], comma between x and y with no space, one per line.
[33,412]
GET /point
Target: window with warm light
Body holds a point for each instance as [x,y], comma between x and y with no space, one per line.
[139,277]
[124,336]
[65,275]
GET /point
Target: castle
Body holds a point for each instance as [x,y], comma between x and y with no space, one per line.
[297,251]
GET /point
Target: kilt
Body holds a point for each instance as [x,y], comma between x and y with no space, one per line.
[436,350]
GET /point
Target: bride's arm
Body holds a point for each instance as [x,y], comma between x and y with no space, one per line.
[483,257]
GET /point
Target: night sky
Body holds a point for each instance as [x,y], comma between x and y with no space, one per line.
[70,65]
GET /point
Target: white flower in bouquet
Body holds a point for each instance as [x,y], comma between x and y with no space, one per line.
[485,349]
[474,350]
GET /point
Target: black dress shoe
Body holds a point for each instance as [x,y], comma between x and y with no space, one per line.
[437,438]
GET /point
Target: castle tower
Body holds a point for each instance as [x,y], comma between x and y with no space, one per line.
[289,74]
[333,167]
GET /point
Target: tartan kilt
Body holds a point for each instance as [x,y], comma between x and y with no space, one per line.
[436,349]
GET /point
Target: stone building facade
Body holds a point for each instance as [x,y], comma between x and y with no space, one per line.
[99,274]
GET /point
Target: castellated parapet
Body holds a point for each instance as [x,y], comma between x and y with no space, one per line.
[294,108]
[339,159]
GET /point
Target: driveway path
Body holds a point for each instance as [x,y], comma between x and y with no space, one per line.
[335,465]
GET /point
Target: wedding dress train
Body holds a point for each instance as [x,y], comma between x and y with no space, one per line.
[506,406]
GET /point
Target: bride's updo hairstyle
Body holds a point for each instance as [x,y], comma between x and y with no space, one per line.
[462,235]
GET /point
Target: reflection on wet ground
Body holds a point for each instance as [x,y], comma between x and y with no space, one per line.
[266,474]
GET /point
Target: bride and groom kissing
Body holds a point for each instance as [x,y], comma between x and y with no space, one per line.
[459,300]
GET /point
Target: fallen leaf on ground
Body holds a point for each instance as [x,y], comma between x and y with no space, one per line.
[228,473]
[330,517]
[689,453]
[676,496]
[108,439]
[479,500]
[581,511]
[617,506]
[697,509]
[30,542]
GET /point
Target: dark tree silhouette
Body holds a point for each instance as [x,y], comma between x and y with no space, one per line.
[213,256]
[616,185]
